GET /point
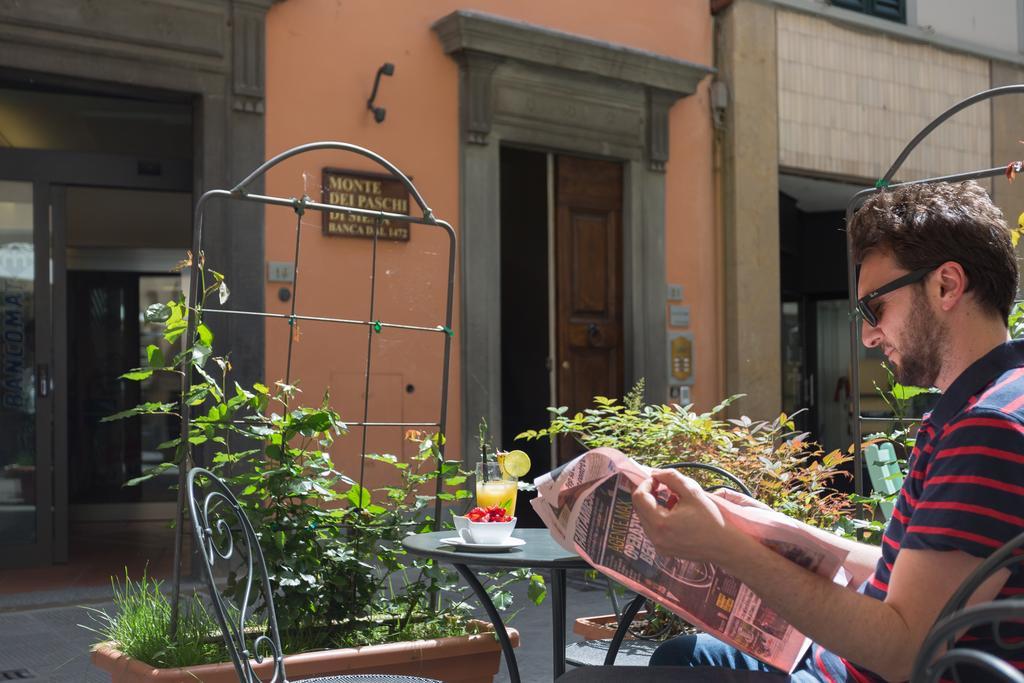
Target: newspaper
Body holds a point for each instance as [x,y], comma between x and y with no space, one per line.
[587,506]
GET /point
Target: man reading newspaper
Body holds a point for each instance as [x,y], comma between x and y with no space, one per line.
[588,506]
[937,279]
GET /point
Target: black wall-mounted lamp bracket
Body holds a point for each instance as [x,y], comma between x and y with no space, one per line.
[386,69]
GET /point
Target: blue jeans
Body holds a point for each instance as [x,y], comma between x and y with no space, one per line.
[703,650]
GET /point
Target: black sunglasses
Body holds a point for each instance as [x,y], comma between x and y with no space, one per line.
[862,303]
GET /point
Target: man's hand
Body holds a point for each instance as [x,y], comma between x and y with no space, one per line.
[691,529]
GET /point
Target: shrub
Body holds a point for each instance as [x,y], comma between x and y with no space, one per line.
[783,469]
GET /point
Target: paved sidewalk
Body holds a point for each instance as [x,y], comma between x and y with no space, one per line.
[47,644]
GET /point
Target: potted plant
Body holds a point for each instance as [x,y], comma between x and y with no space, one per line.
[783,469]
[345,592]
[197,652]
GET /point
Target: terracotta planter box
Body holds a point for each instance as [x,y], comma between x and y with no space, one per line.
[601,627]
[462,659]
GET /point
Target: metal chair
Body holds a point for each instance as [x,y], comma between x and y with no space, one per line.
[940,656]
[884,471]
[216,518]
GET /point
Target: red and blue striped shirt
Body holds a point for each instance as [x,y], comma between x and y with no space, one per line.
[963,489]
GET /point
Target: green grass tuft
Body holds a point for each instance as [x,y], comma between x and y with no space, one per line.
[141,622]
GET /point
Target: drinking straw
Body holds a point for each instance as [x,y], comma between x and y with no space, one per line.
[482,433]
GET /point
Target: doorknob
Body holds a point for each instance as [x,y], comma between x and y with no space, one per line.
[565,365]
[592,330]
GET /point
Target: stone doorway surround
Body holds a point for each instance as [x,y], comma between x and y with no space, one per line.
[532,86]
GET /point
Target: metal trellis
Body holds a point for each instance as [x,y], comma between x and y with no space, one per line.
[241,193]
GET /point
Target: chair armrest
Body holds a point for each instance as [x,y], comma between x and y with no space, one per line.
[930,665]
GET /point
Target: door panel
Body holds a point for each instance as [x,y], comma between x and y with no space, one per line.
[103,342]
[24,377]
[588,253]
[33,337]
[106,336]
[590,236]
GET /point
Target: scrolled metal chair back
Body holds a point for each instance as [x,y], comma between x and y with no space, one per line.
[734,482]
[225,537]
[938,661]
[939,656]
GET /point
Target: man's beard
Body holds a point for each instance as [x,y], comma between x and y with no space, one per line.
[921,346]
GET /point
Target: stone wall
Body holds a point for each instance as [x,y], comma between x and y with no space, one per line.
[849,101]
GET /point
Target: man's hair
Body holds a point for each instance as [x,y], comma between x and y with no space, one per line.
[925,225]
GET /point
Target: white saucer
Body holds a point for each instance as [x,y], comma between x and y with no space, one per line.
[510,542]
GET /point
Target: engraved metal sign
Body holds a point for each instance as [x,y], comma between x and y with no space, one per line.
[370,191]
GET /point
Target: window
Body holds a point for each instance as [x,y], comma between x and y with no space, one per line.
[894,10]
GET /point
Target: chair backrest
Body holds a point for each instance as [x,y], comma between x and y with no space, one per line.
[939,653]
[937,661]
[225,537]
[884,471]
[716,471]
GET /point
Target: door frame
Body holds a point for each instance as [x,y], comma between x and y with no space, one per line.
[50,172]
[526,85]
[138,261]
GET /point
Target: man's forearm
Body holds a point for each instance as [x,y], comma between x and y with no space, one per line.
[871,633]
[861,558]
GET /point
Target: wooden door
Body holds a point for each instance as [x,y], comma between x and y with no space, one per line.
[588,267]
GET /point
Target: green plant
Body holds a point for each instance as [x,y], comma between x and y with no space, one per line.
[141,616]
[781,466]
[333,549]
[1016,321]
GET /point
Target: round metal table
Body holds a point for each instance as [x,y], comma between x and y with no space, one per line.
[539,551]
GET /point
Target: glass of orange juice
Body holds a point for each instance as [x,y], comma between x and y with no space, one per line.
[494,486]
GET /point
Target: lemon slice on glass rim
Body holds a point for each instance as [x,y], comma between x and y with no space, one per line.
[514,463]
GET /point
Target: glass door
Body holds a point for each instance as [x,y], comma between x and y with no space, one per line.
[55,206]
[26,491]
[111,271]
[107,335]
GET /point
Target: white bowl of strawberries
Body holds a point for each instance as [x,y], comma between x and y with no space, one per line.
[485,526]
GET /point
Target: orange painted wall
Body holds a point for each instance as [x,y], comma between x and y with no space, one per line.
[321,59]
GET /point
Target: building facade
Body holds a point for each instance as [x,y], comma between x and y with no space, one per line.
[648,192]
[571,151]
[572,154]
[815,101]
[114,117]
